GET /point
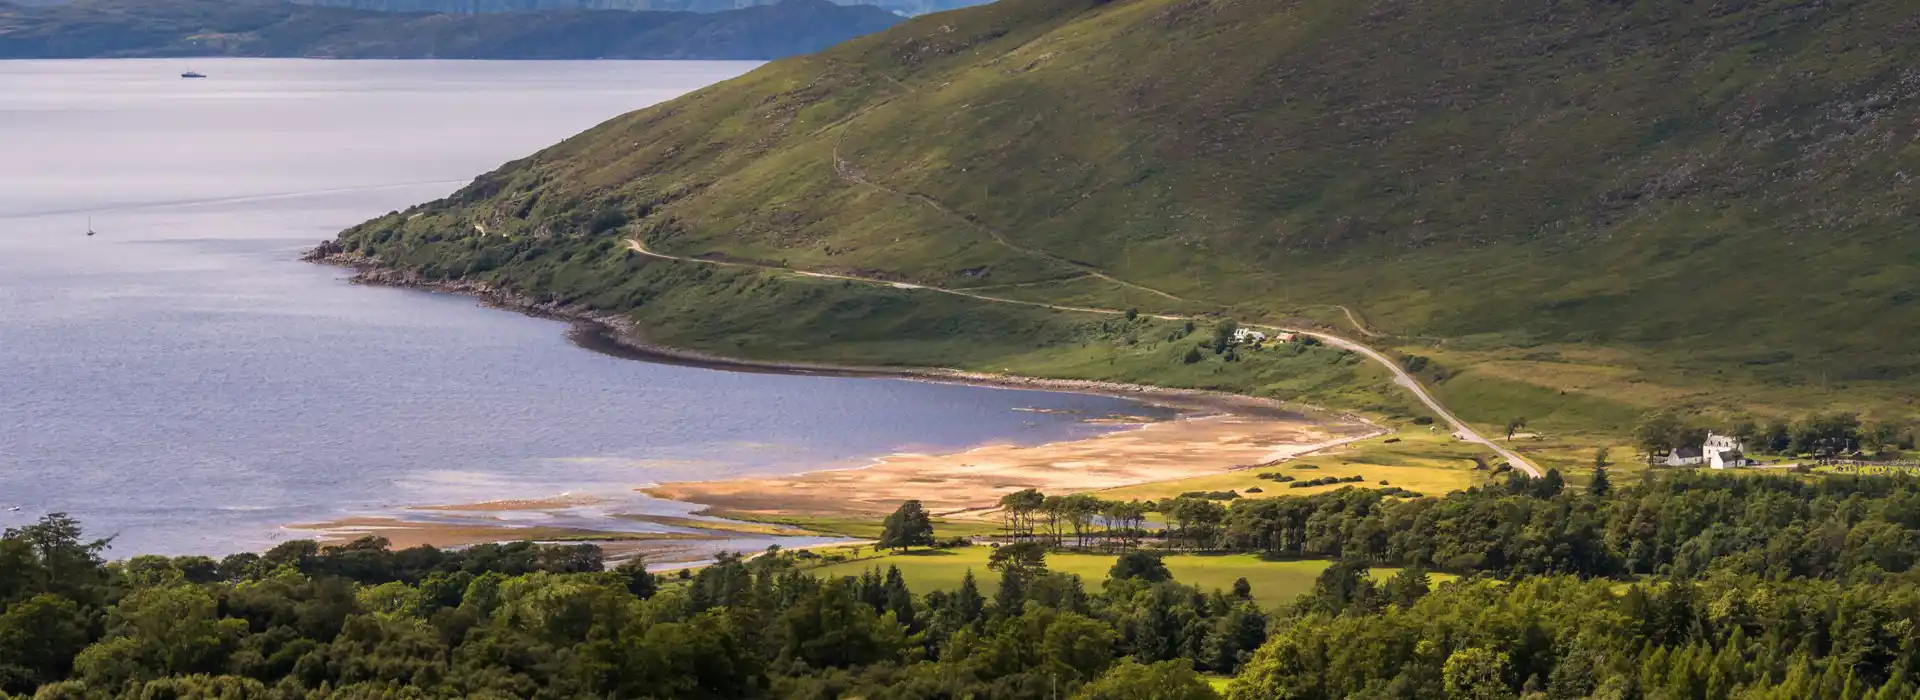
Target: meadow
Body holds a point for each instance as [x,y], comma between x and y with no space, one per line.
[1427,462]
[1275,583]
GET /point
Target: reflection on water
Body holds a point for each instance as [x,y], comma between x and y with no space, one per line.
[181,381]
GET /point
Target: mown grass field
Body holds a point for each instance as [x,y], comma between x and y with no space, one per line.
[1275,583]
[863,528]
[1429,463]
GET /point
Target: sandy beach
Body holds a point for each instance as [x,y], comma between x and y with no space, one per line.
[973,481]
[409,533]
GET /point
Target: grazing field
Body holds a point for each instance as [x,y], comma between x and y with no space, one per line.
[1274,582]
[859,527]
[1430,463]
[1907,469]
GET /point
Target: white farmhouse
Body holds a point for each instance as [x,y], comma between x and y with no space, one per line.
[1248,335]
[1718,452]
[1684,457]
[1724,452]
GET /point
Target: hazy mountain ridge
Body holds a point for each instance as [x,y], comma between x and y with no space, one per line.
[905,7]
[120,29]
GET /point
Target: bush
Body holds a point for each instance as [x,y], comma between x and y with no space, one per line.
[606,220]
[1327,481]
[1211,495]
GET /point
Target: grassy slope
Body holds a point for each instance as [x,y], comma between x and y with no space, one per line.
[1274,583]
[1431,464]
[1580,210]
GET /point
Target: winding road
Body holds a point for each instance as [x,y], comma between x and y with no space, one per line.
[1400,375]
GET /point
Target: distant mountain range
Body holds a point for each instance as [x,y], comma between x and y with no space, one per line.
[474,7]
[165,28]
[477,7]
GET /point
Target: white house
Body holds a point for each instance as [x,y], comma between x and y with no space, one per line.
[1727,460]
[1724,452]
[1724,443]
[1684,457]
[1718,452]
[1247,335]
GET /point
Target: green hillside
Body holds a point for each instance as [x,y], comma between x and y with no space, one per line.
[1577,209]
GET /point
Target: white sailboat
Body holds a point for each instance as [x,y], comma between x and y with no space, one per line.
[89,225]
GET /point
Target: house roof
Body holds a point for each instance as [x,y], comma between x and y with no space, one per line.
[1687,452]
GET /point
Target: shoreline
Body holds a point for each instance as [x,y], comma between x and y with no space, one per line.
[1286,429]
[618,336]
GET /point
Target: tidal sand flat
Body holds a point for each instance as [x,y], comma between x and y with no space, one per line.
[972,481]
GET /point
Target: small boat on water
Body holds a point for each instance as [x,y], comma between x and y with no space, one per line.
[89,225]
[193,74]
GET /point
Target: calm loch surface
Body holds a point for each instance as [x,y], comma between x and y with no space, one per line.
[181,381]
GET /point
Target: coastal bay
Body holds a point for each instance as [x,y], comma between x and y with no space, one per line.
[183,382]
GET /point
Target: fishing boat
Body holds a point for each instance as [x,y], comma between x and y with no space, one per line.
[193,74]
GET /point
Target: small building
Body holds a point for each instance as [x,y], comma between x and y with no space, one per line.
[1724,443]
[1685,457]
[1718,452]
[1727,459]
[1724,452]
[1248,336]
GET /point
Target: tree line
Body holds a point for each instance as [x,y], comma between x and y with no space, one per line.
[1817,434]
[530,621]
[1690,585]
[1683,525]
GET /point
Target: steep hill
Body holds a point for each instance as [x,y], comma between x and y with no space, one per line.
[1575,210]
[137,28]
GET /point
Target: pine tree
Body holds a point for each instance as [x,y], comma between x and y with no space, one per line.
[1601,485]
[633,572]
[899,598]
[1552,484]
[967,601]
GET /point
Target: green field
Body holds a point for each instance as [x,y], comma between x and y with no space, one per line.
[1429,463]
[863,528]
[1274,583]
